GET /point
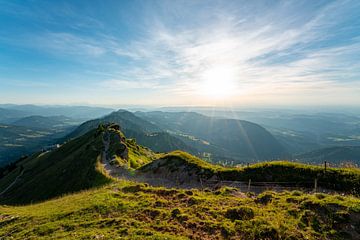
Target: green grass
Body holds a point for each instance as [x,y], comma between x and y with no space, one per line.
[136,211]
[176,159]
[139,155]
[71,168]
[136,155]
[342,179]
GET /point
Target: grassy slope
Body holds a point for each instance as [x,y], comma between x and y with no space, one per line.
[277,171]
[74,166]
[137,154]
[71,168]
[126,210]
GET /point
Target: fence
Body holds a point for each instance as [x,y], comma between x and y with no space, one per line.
[258,187]
[244,186]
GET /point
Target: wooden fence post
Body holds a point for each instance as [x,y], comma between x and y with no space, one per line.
[315,185]
[247,165]
[249,185]
[325,165]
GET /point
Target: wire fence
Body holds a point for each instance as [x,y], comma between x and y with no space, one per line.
[243,186]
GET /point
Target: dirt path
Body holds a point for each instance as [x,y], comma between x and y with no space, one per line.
[13,183]
[112,169]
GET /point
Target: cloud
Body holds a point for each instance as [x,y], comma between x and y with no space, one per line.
[265,56]
[116,84]
[289,49]
[64,43]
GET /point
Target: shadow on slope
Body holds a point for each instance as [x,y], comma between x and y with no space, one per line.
[70,168]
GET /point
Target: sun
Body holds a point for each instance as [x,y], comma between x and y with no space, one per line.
[218,82]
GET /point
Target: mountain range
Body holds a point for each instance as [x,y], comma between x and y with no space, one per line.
[238,140]
[212,137]
[104,185]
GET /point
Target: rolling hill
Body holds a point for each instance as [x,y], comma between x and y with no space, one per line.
[300,131]
[10,115]
[77,112]
[224,138]
[16,141]
[33,133]
[41,122]
[145,133]
[333,155]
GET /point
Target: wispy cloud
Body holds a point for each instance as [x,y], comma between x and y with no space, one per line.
[69,44]
[264,57]
[116,84]
[287,49]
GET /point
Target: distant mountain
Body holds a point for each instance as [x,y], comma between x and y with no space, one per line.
[125,119]
[160,141]
[79,112]
[302,130]
[50,122]
[10,115]
[16,141]
[145,132]
[334,155]
[226,138]
[28,128]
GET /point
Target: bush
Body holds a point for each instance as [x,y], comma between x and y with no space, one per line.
[134,164]
[264,198]
[240,213]
[132,189]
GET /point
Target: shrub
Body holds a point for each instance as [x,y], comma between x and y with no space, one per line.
[132,189]
[266,232]
[264,198]
[134,164]
[296,193]
[240,213]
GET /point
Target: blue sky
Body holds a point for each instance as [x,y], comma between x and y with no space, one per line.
[164,53]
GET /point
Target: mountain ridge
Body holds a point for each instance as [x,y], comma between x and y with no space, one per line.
[146,133]
[230,138]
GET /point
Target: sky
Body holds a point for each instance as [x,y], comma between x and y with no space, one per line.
[180,53]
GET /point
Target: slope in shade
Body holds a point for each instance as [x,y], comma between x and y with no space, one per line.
[70,168]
